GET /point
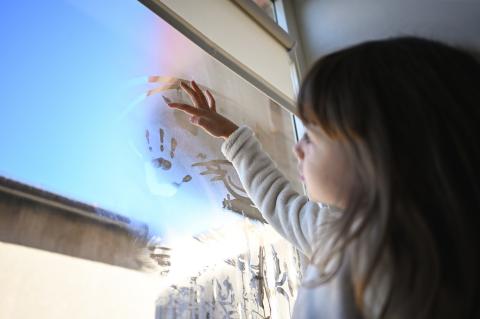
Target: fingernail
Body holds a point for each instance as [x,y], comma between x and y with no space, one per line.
[166,99]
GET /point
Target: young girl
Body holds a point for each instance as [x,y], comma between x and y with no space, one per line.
[392,141]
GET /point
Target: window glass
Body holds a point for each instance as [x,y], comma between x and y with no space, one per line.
[83,116]
[83,113]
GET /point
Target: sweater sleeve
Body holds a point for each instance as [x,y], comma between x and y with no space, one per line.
[292,215]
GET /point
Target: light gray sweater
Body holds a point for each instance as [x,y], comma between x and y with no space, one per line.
[296,218]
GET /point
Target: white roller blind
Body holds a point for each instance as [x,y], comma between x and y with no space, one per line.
[230,29]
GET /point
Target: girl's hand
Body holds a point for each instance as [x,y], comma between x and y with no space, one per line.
[203,112]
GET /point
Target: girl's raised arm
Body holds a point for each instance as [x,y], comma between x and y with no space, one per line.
[291,214]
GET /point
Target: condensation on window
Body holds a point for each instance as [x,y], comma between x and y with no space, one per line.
[84,116]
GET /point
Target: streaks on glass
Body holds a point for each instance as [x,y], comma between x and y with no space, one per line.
[173,146]
[162,134]
[227,297]
[147,136]
[218,171]
[238,287]
[280,278]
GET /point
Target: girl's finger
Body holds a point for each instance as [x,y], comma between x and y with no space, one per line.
[187,109]
[211,102]
[191,93]
[200,95]
[199,121]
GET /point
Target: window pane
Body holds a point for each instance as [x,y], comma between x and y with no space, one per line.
[83,116]
[83,113]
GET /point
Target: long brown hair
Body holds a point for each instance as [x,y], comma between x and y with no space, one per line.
[408,113]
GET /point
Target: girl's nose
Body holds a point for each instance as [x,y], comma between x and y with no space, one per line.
[297,149]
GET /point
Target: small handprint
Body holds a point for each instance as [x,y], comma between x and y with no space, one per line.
[164,188]
[162,162]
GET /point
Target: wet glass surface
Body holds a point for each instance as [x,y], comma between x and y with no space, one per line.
[83,115]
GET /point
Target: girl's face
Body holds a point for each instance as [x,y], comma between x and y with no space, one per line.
[322,167]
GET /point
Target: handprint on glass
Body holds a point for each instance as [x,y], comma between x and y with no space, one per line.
[162,159]
[236,199]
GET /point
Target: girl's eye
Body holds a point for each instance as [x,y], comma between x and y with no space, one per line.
[306,138]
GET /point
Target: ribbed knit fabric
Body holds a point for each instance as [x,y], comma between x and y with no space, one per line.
[295,217]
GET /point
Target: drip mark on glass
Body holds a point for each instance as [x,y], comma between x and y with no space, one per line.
[173,146]
[162,134]
[147,136]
